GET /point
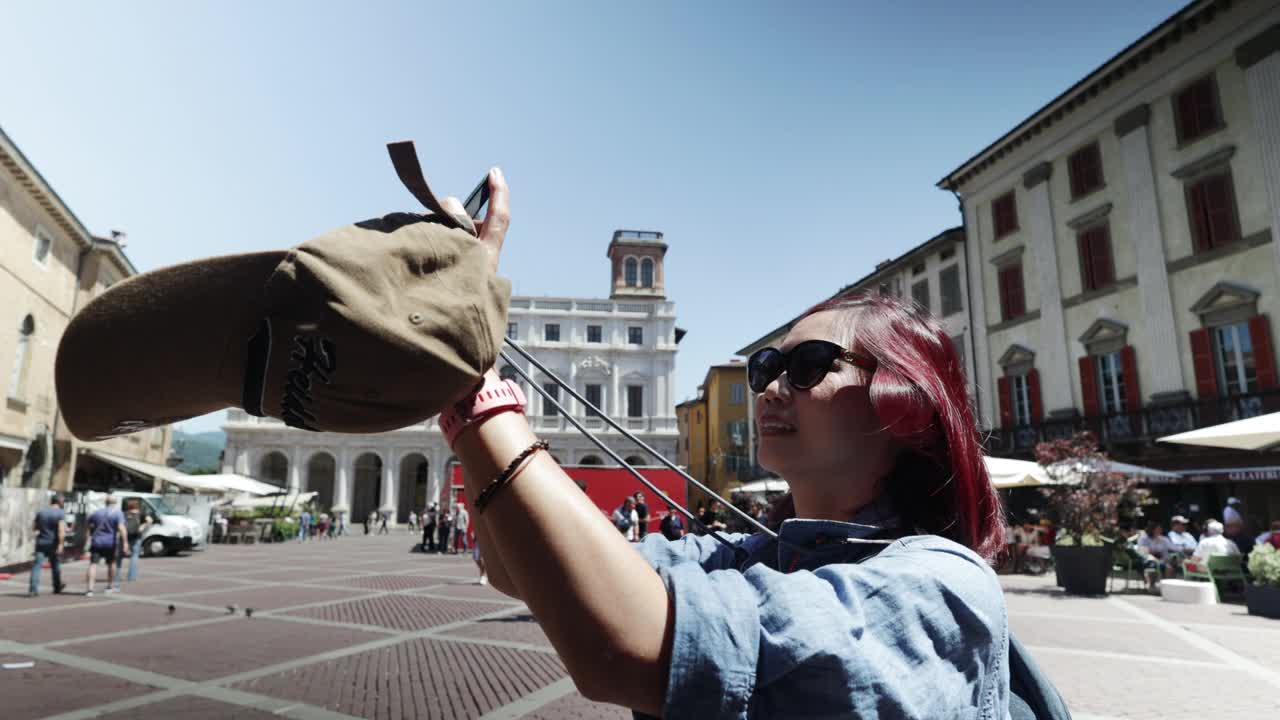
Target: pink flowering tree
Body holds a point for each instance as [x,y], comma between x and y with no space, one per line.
[1089,501]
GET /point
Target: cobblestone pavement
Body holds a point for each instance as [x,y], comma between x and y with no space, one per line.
[360,627]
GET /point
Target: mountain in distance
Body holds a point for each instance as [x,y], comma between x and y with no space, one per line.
[201,452]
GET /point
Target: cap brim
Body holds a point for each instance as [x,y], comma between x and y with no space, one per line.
[161,347]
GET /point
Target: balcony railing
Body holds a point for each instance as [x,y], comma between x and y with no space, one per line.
[1143,426]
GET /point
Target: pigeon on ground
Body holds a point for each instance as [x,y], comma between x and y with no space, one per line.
[248,612]
[231,609]
[172,609]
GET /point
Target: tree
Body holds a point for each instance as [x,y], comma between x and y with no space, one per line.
[1089,502]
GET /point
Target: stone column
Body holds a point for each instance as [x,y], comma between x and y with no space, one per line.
[295,472]
[342,489]
[1260,61]
[390,482]
[975,295]
[1159,337]
[242,462]
[614,406]
[1051,356]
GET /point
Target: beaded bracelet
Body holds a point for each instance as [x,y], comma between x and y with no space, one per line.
[505,476]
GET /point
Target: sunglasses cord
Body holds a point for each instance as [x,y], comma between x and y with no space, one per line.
[739,552]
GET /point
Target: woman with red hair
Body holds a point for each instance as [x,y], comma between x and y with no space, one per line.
[874,600]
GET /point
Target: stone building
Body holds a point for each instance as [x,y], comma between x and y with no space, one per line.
[713,431]
[1122,251]
[618,353]
[51,265]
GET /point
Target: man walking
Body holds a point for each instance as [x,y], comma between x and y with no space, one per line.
[51,533]
[107,536]
[460,527]
[304,525]
[642,515]
[383,517]
[429,528]
[136,525]
[446,530]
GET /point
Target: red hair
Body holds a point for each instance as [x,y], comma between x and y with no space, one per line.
[939,482]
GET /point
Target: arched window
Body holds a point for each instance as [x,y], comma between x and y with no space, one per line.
[635,460]
[274,468]
[629,271]
[18,377]
[591,460]
[646,273]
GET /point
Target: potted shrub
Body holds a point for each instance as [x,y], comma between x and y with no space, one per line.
[1088,503]
[1263,594]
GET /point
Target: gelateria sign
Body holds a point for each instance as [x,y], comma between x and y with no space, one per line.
[1244,474]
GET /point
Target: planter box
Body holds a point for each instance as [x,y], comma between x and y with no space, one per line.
[1263,600]
[1083,570]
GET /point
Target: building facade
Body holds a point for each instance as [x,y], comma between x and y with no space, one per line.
[617,353]
[713,431]
[932,274]
[50,266]
[1122,251]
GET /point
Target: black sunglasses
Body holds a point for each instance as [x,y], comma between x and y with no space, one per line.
[805,364]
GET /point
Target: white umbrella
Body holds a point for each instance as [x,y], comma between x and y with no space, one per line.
[759,487]
[1255,433]
[1008,473]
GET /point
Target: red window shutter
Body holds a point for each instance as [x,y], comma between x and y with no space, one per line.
[1033,393]
[1202,361]
[1006,403]
[1219,210]
[1089,385]
[1129,365]
[1263,355]
[1201,235]
[1103,271]
[1002,279]
[1017,299]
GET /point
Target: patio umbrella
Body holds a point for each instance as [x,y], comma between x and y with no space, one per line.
[759,487]
[1007,473]
[1255,433]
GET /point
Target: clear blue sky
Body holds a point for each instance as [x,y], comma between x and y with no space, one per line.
[784,148]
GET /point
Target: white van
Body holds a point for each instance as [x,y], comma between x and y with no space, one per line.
[171,533]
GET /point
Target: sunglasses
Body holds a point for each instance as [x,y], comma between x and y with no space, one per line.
[805,364]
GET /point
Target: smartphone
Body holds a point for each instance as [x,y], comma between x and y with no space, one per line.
[477,204]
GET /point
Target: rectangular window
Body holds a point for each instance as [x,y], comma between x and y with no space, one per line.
[1211,204]
[1097,270]
[920,293]
[1012,302]
[1111,388]
[737,394]
[1196,110]
[551,332]
[1084,170]
[917,269]
[947,254]
[1234,357]
[513,331]
[595,333]
[548,410]
[949,280]
[635,401]
[635,335]
[961,353]
[1020,392]
[43,245]
[595,396]
[1004,214]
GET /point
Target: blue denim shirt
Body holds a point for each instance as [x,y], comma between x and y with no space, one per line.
[919,630]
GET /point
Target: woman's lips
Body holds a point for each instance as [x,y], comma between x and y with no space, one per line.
[770,426]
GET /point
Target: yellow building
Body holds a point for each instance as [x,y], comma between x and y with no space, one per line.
[50,265]
[713,430]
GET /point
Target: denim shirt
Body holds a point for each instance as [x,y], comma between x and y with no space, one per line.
[919,630]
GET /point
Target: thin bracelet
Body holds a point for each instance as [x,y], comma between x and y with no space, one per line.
[505,476]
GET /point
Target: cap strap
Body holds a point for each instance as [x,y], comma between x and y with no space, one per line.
[405,159]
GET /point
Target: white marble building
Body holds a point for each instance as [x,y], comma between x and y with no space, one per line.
[619,353]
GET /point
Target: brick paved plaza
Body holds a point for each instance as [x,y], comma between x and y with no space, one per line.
[360,627]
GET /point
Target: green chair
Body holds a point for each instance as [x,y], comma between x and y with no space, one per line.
[1218,569]
[1128,563]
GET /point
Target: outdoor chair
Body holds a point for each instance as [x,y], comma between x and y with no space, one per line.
[1129,564]
[1218,569]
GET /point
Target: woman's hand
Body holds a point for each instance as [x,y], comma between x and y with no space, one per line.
[492,231]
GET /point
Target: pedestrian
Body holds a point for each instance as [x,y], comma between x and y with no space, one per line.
[475,555]
[51,534]
[446,529]
[461,524]
[1236,533]
[136,525]
[429,528]
[341,516]
[304,525]
[107,536]
[624,518]
[322,527]
[1213,543]
[863,408]
[368,521]
[672,526]
[413,521]
[383,517]
[642,516]
[1232,512]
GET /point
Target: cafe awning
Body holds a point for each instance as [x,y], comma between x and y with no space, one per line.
[1255,433]
[203,484]
[146,470]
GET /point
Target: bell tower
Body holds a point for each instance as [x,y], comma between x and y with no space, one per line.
[636,259]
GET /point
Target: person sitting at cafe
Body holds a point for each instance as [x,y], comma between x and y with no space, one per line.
[1213,544]
[1236,533]
[1184,543]
[1156,551]
[1271,536]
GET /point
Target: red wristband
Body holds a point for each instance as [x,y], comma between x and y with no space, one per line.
[489,400]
